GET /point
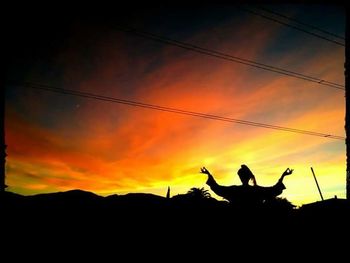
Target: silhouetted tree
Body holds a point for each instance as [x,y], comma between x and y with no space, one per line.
[199,193]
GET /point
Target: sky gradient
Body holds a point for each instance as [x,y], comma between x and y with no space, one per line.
[59,142]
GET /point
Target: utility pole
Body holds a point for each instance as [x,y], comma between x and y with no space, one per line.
[318,187]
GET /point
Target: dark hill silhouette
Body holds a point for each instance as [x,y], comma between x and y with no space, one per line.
[66,199]
[79,199]
[137,197]
[82,212]
[77,203]
[74,194]
[133,203]
[179,224]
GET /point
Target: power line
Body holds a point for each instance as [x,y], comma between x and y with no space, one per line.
[301,22]
[291,26]
[175,110]
[228,57]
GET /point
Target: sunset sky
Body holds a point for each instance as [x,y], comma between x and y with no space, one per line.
[57,142]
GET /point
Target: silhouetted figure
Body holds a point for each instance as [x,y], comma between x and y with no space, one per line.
[245,194]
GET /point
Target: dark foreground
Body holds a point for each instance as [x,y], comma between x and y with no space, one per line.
[143,220]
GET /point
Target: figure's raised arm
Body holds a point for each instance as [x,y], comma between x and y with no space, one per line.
[211,180]
[285,173]
[205,171]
